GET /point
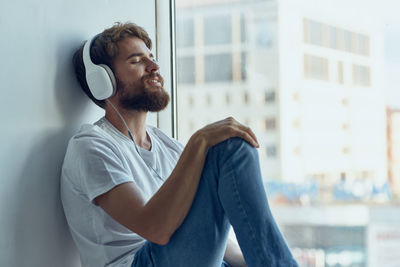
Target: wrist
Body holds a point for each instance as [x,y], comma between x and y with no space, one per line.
[199,139]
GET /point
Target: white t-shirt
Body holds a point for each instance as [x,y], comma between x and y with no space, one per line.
[98,158]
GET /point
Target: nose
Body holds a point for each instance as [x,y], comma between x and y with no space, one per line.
[152,66]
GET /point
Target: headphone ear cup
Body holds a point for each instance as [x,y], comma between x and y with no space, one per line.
[112,77]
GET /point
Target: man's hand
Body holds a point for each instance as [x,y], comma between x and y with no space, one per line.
[220,131]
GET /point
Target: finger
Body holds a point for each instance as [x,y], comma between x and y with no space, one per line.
[249,131]
[246,136]
[252,134]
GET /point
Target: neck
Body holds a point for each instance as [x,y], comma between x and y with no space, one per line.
[135,120]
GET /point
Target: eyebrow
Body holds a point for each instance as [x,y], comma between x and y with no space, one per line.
[138,55]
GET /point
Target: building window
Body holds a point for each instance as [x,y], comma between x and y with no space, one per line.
[315,67]
[363,45]
[320,34]
[243,63]
[297,151]
[191,101]
[263,35]
[313,32]
[185,30]
[218,67]
[246,98]
[271,151]
[297,123]
[228,98]
[217,30]
[340,72]
[269,97]
[209,100]
[186,70]
[243,32]
[296,96]
[346,150]
[361,75]
[347,41]
[270,124]
[333,38]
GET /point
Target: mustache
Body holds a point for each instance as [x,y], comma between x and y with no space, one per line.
[152,76]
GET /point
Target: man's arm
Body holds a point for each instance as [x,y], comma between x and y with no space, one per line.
[158,219]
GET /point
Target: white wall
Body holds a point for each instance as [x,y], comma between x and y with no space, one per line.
[42,106]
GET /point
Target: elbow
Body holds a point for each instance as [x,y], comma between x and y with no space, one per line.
[163,241]
[160,240]
[158,237]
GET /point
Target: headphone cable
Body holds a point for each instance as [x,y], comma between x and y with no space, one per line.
[131,137]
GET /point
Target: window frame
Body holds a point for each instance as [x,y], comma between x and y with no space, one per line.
[165,50]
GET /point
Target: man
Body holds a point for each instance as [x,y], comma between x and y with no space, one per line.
[135,197]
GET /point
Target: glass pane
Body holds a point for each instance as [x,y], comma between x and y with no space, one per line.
[218,67]
[217,30]
[318,84]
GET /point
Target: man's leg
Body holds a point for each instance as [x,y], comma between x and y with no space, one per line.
[230,190]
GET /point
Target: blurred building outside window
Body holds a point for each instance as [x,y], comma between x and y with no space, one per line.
[308,78]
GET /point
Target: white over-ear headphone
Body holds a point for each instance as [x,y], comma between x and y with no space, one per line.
[100,78]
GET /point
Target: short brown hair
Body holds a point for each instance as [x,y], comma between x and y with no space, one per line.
[104,50]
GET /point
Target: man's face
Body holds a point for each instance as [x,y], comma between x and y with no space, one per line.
[140,86]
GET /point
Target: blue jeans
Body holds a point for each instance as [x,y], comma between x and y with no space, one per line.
[230,191]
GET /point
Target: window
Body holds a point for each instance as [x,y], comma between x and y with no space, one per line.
[333,40]
[299,81]
[297,123]
[269,97]
[243,69]
[243,32]
[187,67]
[217,30]
[228,98]
[363,45]
[270,124]
[185,38]
[209,100]
[340,77]
[347,38]
[271,151]
[313,32]
[263,35]
[246,97]
[320,34]
[361,75]
[315,67]
[296,96]
[218,67]
[345,101]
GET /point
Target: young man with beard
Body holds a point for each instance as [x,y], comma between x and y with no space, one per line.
[135,197]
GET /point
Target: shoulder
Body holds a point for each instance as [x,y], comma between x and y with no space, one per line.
[91,144]
[165,139]
[89,137]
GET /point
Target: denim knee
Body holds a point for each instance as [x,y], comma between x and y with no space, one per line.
[234,145]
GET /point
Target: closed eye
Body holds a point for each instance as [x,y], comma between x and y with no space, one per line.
[134,60]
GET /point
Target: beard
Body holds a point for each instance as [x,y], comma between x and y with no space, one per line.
[136,96]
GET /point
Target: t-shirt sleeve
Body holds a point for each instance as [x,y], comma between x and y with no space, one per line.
[100,166]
